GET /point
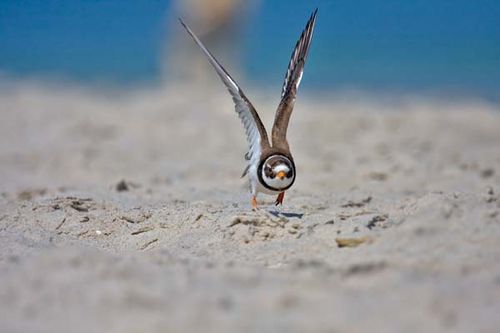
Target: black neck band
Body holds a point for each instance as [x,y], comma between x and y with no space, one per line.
[261,180]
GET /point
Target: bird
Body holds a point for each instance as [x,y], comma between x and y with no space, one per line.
[270,164]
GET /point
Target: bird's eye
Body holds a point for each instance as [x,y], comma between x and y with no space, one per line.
[268,172]
[289,174]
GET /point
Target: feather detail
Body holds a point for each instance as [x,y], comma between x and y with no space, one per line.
[291,84]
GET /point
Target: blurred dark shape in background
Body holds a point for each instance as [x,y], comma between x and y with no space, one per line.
[219,23]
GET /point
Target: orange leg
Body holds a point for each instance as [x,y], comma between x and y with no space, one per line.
[279,199]
[254,203]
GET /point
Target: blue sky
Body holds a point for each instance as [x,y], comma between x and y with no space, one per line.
[451,46]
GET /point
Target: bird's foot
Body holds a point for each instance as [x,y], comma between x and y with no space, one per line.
[279,199]
[254,203]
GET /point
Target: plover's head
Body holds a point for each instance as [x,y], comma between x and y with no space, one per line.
[278,172]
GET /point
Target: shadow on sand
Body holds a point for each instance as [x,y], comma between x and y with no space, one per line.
[287,215]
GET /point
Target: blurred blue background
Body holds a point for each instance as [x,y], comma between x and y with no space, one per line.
[450,47]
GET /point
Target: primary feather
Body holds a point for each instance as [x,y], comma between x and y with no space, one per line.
[297,60]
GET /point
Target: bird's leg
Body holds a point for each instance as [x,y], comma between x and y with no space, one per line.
[279,199]
[254,203]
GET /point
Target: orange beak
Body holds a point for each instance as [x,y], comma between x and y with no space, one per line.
[281,175]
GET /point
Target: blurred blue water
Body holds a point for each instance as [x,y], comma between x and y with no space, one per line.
[422,46]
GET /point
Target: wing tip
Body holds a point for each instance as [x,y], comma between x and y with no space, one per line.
[312,19]
[185,26]
[301,51]
[182,22]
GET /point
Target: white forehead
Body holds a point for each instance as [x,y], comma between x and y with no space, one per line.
[281,167]
[282,159]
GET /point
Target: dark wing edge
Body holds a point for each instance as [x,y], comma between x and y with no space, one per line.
[255,130]
[292,80]
[298,58]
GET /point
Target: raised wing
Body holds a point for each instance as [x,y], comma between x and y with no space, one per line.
[291,84]
[255,130]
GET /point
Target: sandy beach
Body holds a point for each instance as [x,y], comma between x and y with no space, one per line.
[125,212]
